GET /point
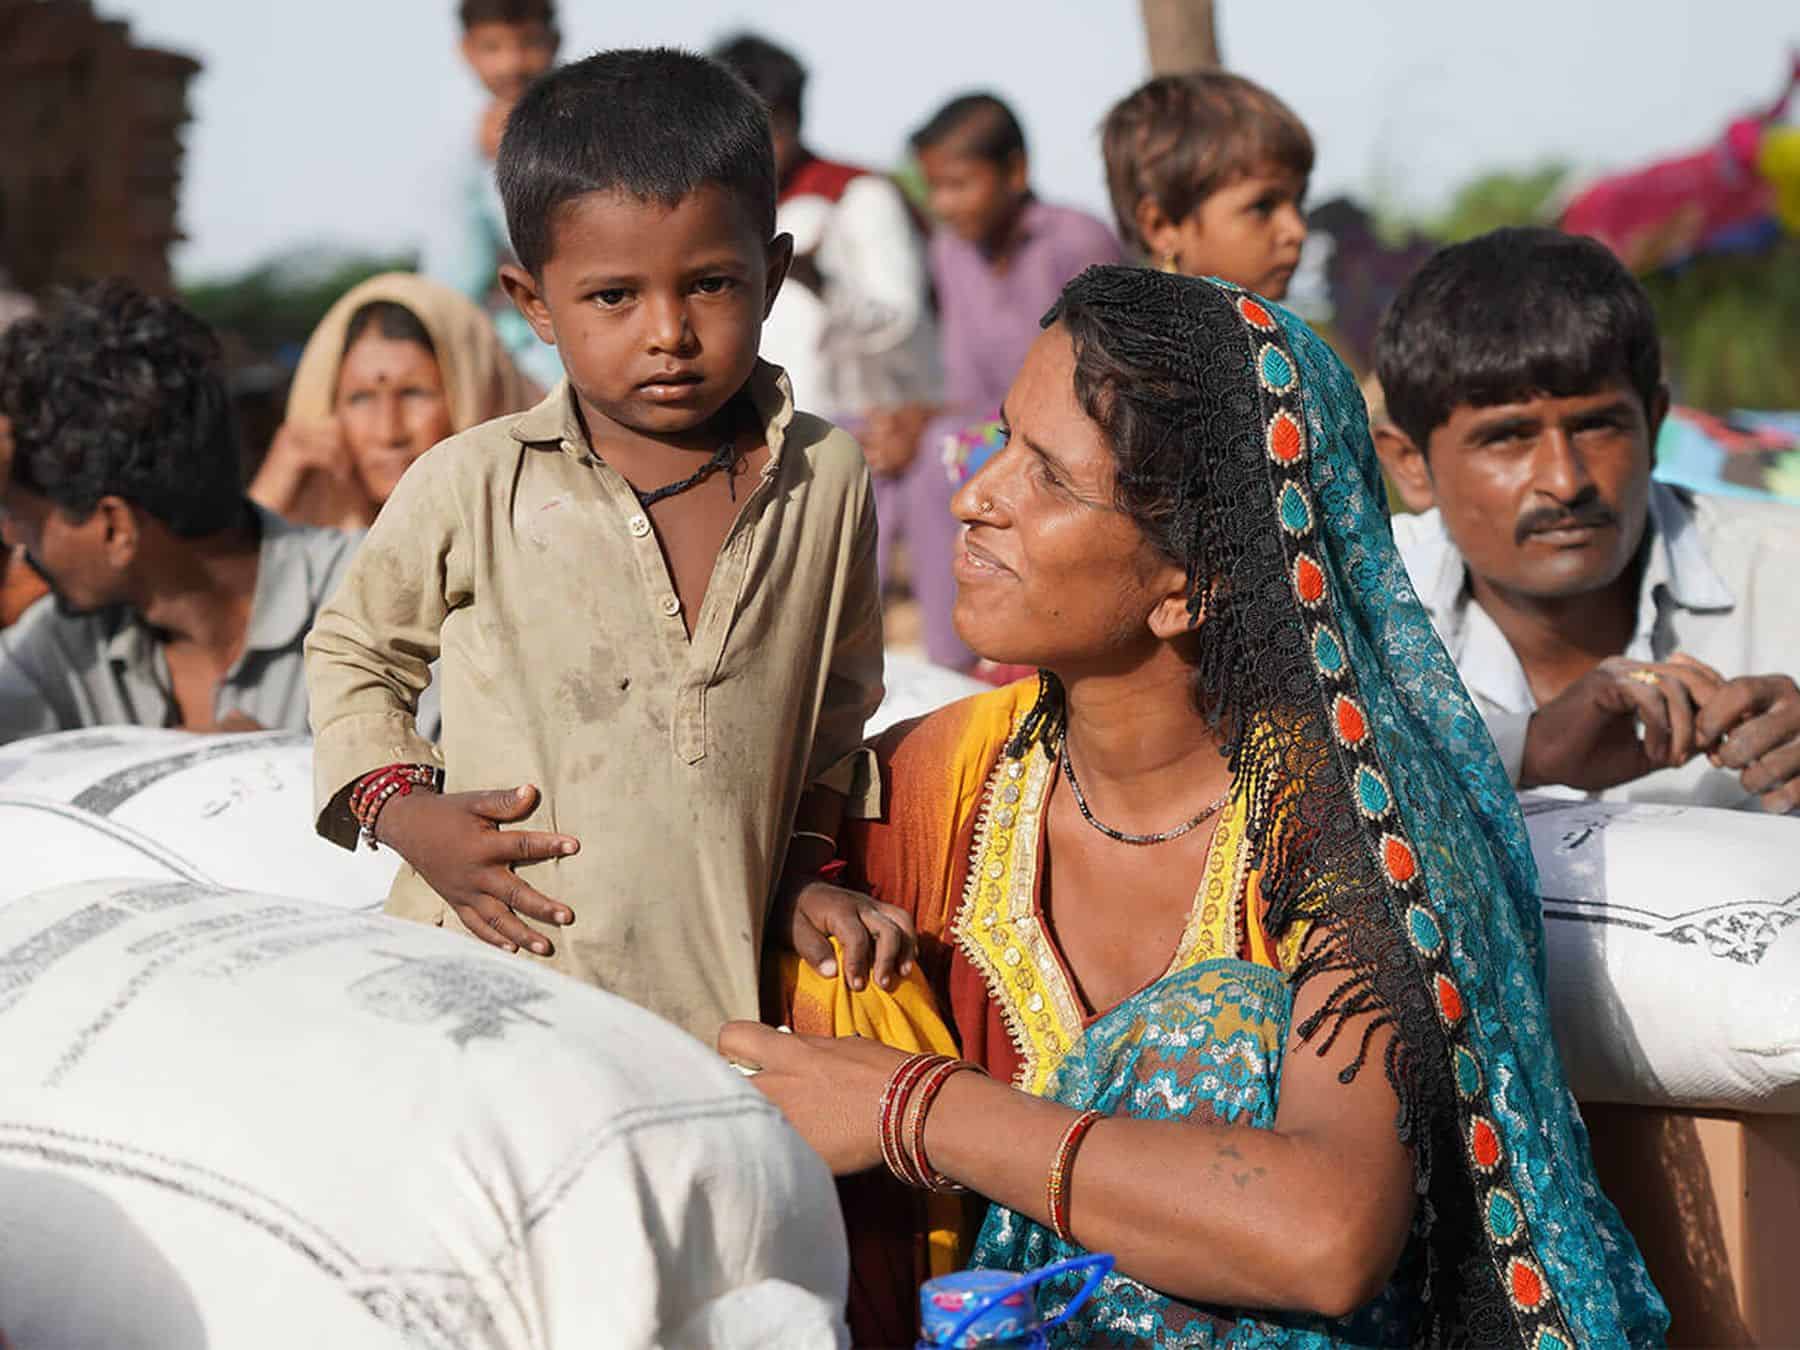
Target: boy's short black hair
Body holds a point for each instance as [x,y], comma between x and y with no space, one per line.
[981,124]
[472,12]
[119,393]
[1516,313]
[773,72]
[655,122]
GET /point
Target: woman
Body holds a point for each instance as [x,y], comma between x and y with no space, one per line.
[394,367]
[1241,874]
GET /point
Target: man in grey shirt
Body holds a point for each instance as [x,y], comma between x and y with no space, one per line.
[1621,638]
[176,602]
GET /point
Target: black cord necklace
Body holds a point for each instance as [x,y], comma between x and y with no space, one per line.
[1161,837]
[725,457]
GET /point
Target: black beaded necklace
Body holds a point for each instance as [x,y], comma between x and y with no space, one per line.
[725,457]
[1161,837]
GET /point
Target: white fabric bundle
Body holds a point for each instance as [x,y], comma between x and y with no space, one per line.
[228,810]
[1673,942]
[916,687]
[230,1119]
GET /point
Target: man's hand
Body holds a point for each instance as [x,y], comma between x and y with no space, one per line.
[1588,736]
[865,928]
[1752,724]
[455,842]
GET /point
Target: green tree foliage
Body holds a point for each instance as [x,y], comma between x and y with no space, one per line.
[1492,200]
[1730,322]
[276,304]
[1731,326]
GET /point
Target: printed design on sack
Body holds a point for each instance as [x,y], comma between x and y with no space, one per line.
[110,793]
[483,998]
[1733,930]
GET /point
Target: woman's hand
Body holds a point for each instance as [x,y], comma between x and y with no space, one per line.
[302,451]
[829,1089]
[868,931]
[454,841]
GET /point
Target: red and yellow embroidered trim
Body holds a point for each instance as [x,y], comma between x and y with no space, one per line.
[998,928]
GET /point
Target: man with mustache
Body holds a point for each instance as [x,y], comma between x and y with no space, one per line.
[1621,637]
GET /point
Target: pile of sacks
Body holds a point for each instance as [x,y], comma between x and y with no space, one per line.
[242,1108]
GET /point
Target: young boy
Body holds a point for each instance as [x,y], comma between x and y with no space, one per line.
[1207,173]
[506,44]
[999,259]
[653,596]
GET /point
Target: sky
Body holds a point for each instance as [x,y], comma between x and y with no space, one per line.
[338,123]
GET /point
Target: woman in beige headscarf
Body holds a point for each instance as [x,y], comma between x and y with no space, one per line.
[395,366]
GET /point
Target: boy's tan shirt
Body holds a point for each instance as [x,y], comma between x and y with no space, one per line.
[527,564]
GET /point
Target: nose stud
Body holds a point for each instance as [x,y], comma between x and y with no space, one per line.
[984,507]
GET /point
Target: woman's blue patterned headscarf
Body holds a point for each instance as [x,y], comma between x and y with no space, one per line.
[1380,808]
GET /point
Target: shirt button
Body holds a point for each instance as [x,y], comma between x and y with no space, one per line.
[639,526]
[671,605]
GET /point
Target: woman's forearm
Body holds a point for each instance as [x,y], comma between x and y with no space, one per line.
[1204,1212]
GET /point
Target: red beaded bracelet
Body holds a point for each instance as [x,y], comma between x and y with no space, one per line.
[1056,1190]
[374,790]
[929,1087]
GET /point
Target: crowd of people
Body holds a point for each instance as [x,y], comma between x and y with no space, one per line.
[1210,941]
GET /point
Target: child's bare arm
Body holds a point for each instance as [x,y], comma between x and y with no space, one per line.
[811,908]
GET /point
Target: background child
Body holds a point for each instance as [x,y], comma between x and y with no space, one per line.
[999,259]
[654,594]
[506,44]
[1207,173]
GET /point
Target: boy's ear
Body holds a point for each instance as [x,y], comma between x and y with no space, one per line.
[1018,173]
[522,289]
[781,257]
[1406,465]
[1161,235]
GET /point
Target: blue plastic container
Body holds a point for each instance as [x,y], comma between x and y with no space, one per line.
[998,1308]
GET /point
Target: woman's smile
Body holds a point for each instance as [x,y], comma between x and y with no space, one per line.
[975,563]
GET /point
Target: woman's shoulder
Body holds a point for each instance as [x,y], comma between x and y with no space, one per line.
[974,728]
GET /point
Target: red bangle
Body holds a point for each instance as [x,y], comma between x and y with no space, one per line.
[1056,1191]
[929,1087]
[891,1112]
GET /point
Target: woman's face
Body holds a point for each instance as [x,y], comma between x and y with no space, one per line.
[1048,571]
[391,407]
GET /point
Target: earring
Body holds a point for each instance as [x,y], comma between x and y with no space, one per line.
[1169,264]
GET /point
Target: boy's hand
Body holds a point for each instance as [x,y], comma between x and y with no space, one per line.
[864,928]
[455,842]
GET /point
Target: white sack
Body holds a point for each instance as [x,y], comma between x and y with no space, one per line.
[227,810]
[230,1119]
[916,687]
[1673,941]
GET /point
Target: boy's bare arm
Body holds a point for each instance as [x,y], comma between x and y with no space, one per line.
[811,909]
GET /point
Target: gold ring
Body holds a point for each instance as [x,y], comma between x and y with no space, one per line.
[1644,677]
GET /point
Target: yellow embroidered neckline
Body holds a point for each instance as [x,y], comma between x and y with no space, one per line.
[998,928]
